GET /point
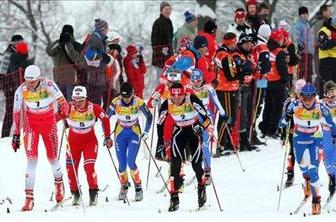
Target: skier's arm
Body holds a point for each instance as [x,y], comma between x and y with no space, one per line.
[163,113]
[156,95]
[328,118]
[111,109]
[198,105]
[57,94]
[215,100]
[18,101]
[147,113]
[99,112]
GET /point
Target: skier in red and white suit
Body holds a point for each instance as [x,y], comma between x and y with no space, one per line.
[81,118]
[35,97]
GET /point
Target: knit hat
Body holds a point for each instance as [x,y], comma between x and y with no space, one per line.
[284,25]
[200,42]
[264,31]
[303,10]
[100,24]
[177,89]
[229,38]
[210,27]
[240,13]
[68,29]
[16,38]
[243,38]
[131,49]
[299,84]
[277,35]
[115,47]
[251,2]
[189,17]
[22,48]
[163,4]
[126,89]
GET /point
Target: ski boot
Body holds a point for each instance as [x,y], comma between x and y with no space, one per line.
[202,197]
[93,197]
[290,178]
[174,202]
[59,189]
[332,184]
[75,198]
[138,193]
[123,191]
[306,187]
[316,205]
[207,177]
[29,202]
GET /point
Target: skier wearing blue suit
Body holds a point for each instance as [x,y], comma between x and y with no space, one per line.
[207,95]
[128,134]
[329,148]
[308,115]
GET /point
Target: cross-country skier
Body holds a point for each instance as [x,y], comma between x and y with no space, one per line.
[128,134]
[190,120]
[208,96]
[35,98]
[329,147]
[81,118]
[290,158]
[308,115]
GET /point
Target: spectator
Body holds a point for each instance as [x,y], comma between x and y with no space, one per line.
[135,69]
[327,52]
[252,14]
[276,87]
[323,16]
[65,53]
[304,39]
[161,39]
[188,29]
[6,84]
[239,26]
[113,74]
[18,60]
[209,32]
[96,60]
[263,13]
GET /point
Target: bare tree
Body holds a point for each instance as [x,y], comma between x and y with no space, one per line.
[203,19]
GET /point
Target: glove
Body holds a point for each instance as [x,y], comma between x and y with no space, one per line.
[301,47]
[141,48]
[167,146]
[227,119]
[164,51]
[247,68]
[283,123]
[215,83]
[108,142]
[210,130]
[64,37]
[16,142]
[144,136]
[198,130]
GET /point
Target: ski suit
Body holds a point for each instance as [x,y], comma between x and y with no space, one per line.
[127,132]
[208,95]
[307,138]
[39,119]
[83,140]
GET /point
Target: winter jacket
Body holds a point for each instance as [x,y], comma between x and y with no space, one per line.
[212,46]
[280,66]
[161,39]
[17,61]
[4,64]
[135,69]
[238,30]
[185,31]
[254,22]
[303,35]
[64,57]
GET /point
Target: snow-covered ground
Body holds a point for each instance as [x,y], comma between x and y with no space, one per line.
[248,196]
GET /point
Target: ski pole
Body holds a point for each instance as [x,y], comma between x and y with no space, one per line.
[116,170]
[235,148]
[74,169]
[284,164]
[157,167]
[151,145]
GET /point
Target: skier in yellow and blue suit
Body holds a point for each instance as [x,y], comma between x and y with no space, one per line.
[308,115]
[128,135]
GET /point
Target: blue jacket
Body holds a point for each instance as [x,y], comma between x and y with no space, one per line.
[300,31]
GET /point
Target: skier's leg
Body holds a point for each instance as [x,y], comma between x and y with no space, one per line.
[90,152]
[76,150]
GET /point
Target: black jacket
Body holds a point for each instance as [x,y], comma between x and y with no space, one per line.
[161,37]
[17,61]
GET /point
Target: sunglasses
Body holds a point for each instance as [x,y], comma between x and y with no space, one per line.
[78,99]
[126,96]
[308,99]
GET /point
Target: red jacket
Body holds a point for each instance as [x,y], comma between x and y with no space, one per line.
[135,71]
